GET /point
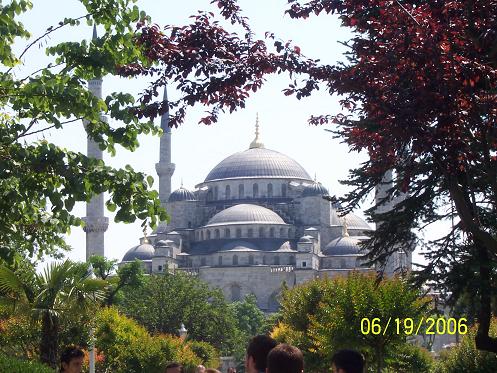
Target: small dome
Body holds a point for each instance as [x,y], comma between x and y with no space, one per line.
[245,214]
[145,251]
[258,162]
[343,246]
[164,243]
[181,194]
[315,189]
[306,239]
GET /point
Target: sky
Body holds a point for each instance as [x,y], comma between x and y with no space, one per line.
[197,148]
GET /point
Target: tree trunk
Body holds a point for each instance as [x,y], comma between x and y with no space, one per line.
[49,340]
[483,340]
[379,359]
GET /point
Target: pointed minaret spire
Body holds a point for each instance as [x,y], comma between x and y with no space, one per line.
[257,142]
[94,32]
[165,168]
[96,222]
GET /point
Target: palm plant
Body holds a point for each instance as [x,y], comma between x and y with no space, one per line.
[61,288]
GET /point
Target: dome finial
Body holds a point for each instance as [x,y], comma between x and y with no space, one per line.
[345,232]
[181,182]
[145,238]
[315,176]
[257,143]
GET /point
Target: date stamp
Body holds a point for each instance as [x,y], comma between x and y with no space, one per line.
[409,326]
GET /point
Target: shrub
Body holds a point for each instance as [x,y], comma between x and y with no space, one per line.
[466,358]
[128,348]
[15,365]
[206,352]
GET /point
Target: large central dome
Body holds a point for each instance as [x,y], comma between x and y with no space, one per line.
[258,163]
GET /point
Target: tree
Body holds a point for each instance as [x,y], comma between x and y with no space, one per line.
[249,322]
[129,275]
[325,315]
[102,266]
[39,181]
[61,289]
[419,94]
[165,301]
[465,357]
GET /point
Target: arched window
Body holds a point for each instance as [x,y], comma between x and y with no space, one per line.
[208,235]
[276,260]
[283,190]
[250,233]
[235,260]
[255,190]
[217,234]
[270,190]
[189,224]
[289,230]
[209,195]
[227,233]
[202,235]
[264,259]
[238,232]
[241,191]
[282,234]
[291,260]
[215,193]
[236,293]
[271,232]
[251,260]
[227,192]
[261,231]
[202,261]
[220,260]
[197,235]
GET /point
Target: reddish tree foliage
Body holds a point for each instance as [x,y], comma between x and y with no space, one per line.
[419,95]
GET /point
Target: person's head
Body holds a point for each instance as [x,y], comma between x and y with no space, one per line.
[212,370]
[285,359]
[71,360]
[174,368]
[257,350]
[347,361]
[200,369]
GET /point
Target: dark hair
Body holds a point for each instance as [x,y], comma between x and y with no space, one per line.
[174,365]
[69,353]
[285,359]
[258,347]
[350,361]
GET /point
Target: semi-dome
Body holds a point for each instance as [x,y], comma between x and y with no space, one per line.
[315,189]
[245,214]
[355,222]
[345,245]
[145,251]
[239,246]
[181,194]
[258,162]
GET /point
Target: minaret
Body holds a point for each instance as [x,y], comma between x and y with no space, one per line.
[96,222]
[165,168]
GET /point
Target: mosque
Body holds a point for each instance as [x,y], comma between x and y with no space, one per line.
[257,221]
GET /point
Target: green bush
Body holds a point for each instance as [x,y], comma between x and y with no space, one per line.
[15,365]
[206,352]
[128,348]
[466,358]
